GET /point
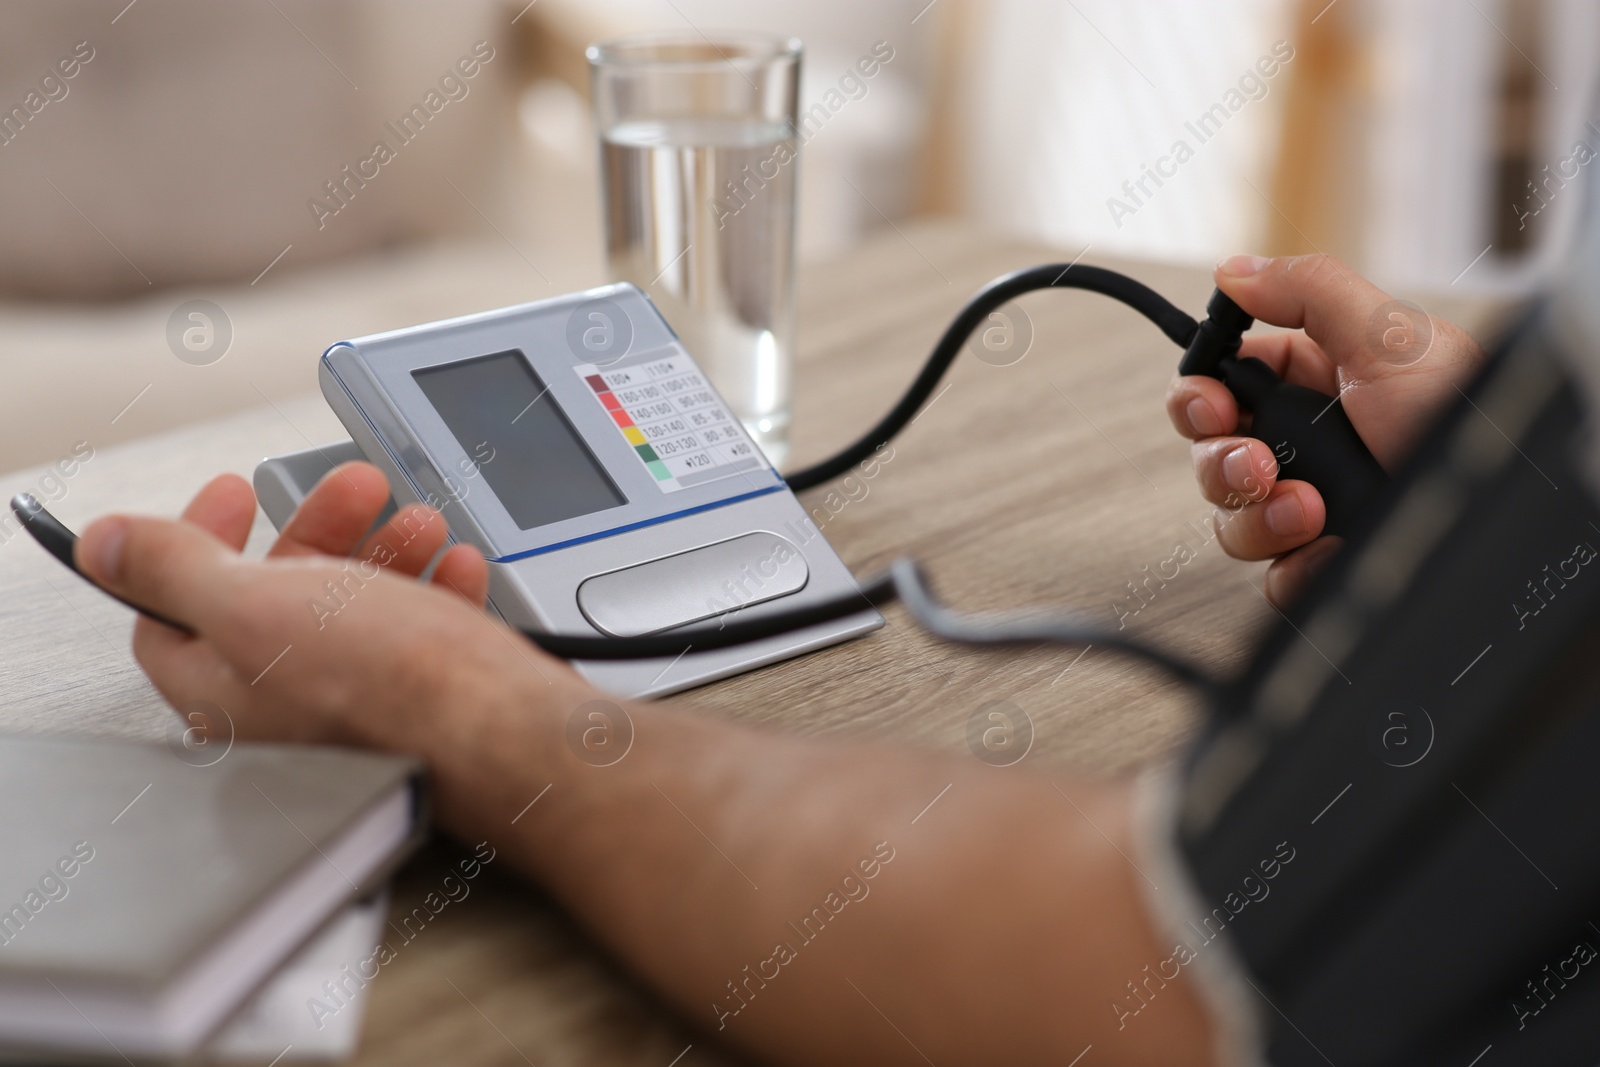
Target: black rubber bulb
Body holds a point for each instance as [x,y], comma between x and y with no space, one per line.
[1308,432]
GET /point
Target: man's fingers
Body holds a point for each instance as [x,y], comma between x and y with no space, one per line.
[171,568]
[337,515]
[1288,577]
[183,668]
[463,571]
[196,680]
[408,541]
[1296,358]
[1292,514]
[225,507]
[1234,470]
[1201,407]
[1316,293]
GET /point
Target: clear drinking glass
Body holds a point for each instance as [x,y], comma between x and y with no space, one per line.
[698,160]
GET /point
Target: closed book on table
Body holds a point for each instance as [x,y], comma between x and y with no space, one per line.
[143,899]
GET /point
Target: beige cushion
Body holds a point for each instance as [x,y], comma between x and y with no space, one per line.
[191,143]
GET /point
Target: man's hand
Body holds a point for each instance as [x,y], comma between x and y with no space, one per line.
[331,637]
[1394,373]
[659,852]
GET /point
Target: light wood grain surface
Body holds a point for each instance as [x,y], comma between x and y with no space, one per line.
[1053,481]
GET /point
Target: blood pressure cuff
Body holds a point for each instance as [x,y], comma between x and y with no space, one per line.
[1389,835]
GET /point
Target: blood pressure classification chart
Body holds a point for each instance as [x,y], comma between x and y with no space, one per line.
[674,420]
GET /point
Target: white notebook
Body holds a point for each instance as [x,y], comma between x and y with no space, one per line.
[286,1021]
[144,900]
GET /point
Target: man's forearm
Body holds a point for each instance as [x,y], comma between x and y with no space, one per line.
[824,903]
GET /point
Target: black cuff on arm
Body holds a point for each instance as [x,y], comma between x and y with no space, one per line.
[1393,822]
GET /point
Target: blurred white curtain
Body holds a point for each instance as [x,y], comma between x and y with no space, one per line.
[1073,99]
[1436,68]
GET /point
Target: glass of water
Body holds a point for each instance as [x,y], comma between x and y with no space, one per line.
[698,158]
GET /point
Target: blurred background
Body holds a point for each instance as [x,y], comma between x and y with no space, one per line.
[203,151]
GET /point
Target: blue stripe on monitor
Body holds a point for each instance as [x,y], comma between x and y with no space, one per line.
[639,525]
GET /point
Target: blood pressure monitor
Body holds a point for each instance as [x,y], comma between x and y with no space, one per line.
[578,445]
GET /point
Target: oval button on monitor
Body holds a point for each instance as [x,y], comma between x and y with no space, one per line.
[690,586]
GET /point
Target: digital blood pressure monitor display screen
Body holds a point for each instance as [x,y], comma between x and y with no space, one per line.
[523,443]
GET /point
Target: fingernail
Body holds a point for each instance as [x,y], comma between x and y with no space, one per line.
[101,547]
[1236,469]
[1286,517]
[1203,419]
[1243,266]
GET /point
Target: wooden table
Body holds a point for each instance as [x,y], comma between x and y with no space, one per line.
[1055,480]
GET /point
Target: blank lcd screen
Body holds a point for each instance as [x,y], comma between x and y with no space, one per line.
[502,416]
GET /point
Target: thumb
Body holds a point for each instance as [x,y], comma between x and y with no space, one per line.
[174,569]
[1337,308]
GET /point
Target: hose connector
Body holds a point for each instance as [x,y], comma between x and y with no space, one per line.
[1217,338]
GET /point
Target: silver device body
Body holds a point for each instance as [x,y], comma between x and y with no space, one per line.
[701,530]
